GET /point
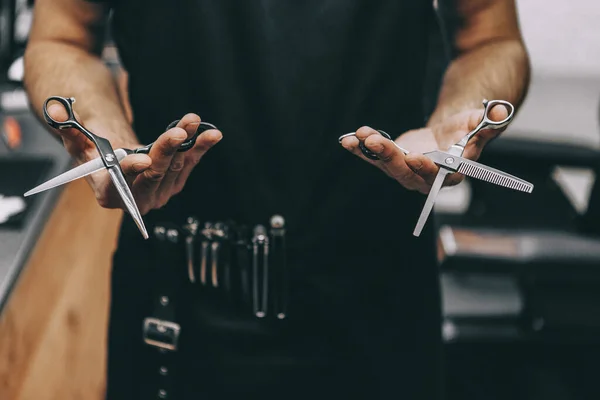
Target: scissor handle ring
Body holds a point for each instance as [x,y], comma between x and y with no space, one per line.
[489,105]
[67,103]
[188,144]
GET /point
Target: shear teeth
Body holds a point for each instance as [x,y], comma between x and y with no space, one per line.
[493,177]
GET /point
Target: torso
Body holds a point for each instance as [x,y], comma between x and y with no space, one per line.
[283,80]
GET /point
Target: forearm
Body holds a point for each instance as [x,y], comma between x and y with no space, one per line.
[55,68]
[497,70]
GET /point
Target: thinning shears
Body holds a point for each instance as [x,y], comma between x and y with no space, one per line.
[451,161]
[109,159]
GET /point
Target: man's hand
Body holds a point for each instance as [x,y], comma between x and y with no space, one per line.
[416,171]
[154,178]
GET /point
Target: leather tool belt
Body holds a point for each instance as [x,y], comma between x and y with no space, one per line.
[241,268]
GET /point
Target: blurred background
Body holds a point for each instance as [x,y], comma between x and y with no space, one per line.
[520,274]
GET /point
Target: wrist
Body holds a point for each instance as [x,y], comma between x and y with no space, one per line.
[117,131]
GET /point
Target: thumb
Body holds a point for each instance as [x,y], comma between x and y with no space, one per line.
[485,136]
[496,113]
[74,141]
[422,166]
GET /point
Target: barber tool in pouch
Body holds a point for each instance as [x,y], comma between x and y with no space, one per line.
[234,277]
[239,269]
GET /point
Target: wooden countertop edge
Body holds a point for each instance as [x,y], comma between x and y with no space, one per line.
[53,325]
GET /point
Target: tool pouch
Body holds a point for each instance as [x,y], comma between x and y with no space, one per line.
[225,284]
[237,270]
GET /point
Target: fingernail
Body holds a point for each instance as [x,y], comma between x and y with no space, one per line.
[176,141]
[193,124]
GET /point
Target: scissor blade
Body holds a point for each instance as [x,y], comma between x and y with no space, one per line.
[483,172]
[433,193]
[119,181]
[80,171]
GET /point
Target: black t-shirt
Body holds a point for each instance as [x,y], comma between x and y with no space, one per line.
[283,80]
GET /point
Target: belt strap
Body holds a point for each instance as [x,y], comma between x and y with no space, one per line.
[161,330]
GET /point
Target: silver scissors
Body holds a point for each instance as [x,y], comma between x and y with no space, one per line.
[451,161]
[108,158]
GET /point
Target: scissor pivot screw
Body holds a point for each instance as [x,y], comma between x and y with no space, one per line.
[449,160]
[110,157]
[164,300]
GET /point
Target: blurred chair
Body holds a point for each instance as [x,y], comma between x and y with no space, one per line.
[521,280]
[539,239]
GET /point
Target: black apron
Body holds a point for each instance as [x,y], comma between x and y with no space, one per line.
[283,80]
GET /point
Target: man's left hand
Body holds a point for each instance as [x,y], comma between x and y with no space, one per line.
[416,171]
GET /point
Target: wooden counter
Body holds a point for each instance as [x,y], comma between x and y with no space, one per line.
[53,327]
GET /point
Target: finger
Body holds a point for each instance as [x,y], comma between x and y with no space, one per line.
[205,141]
[421,185]
[364,132]
[483,137]
[161,153]
[133,165]
[392,160]
[498,113]
[351,143]
[190,124]
[428,170]
[422,166]
[453,179]
[105,191]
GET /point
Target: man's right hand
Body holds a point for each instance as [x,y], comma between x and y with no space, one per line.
[153,178]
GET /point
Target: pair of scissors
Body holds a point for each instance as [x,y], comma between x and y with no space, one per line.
[451,161]
[109,159]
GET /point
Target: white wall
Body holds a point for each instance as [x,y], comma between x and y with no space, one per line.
[563,104]
[563,36]
[563,40]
